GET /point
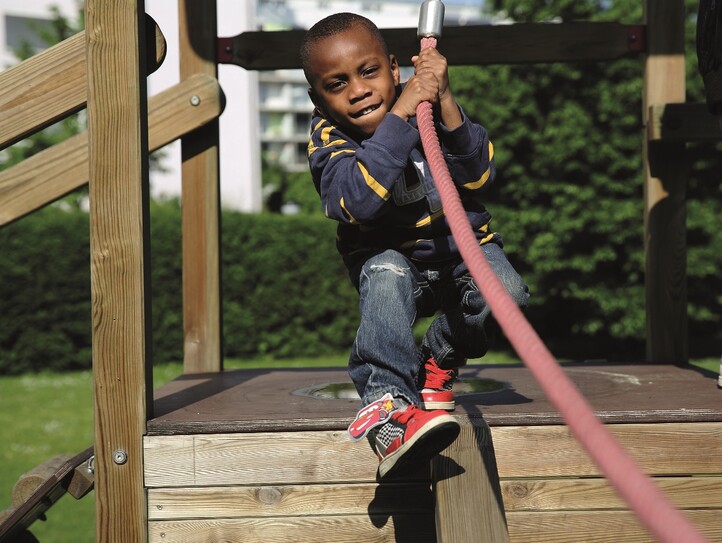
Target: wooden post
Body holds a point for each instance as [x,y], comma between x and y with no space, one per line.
[469,506]
[119,228]
[201,201]
[665,180]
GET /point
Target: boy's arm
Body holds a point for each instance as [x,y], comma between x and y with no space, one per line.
[355,181]
[469,154]
[465,145]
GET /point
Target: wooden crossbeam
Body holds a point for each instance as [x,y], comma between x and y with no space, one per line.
[63,168]
[53,84]
[461,45]
[683,122]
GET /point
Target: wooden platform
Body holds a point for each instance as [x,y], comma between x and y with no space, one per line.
[244,452]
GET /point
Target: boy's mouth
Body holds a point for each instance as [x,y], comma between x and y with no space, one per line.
[365,111]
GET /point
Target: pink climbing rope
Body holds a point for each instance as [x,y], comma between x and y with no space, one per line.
[652,507]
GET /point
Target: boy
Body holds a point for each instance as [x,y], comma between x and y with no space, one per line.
[372,176]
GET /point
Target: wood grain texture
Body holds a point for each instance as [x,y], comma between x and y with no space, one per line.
[665,184]
[257,458]
[660,449]
[52,84]
[469,506]
[30,481]
[326,529]
[119,229]
[597,527]
[588,494]
[200,201]
[289,500]
[54,172]
[42,89]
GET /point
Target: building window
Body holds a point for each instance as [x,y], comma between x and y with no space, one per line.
[21,31]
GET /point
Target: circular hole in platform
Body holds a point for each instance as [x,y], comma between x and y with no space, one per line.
[346,390]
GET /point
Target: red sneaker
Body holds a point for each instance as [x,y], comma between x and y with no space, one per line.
[436,386]
[411,438]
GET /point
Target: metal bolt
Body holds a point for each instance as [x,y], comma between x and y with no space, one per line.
[120,456]
[195,100]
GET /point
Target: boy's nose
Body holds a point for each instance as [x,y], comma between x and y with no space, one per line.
[359,88]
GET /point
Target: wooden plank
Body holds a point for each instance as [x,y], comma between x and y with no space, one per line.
[263,400]
[29,482]
[665,184]
[289,500]
[597,527]
[461,45]
[269,458]
[660,449]
[200,202]
[63,168]
[683,122]
[326,529]
[15,520]
[52,85]
[590,494]
[119,234]
[42,89]
[469,506]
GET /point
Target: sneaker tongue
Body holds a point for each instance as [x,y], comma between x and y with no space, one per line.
[372,415]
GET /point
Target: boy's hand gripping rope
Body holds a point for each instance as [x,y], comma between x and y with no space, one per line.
[652,507]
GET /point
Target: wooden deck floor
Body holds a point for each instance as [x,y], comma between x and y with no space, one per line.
[268,400]
[242,456]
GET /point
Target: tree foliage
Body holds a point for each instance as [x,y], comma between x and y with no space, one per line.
[568,196]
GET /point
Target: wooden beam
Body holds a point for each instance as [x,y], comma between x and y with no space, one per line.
[119,243]
[52,85]
[461,45]
[682,123]
[63,168]
[469,504]
[665,181]
[200,202]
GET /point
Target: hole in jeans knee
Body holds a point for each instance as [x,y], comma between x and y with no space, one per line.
[393,268]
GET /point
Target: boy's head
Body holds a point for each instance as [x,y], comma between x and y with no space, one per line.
[352,76]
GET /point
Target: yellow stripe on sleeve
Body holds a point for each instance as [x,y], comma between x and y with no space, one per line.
[350,217]
[474,185]
[374,185]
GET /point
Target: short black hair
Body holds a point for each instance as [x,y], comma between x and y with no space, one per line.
[330,26]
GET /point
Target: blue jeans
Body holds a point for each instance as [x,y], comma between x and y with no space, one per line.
[394,293]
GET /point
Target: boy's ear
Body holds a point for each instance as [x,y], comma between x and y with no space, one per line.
[394,64]
[316,102]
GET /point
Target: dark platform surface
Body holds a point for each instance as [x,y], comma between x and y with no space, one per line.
[268,400]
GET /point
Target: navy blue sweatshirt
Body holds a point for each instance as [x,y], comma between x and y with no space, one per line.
[381,192]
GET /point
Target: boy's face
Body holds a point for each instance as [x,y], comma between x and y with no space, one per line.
[353,81]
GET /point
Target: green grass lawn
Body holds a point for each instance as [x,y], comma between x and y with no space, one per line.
[43,415]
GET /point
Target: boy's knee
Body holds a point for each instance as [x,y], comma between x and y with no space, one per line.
[387,263]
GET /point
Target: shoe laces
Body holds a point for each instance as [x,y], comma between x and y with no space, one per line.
[438,378]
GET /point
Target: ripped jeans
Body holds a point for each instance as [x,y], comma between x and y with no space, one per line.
[394,293]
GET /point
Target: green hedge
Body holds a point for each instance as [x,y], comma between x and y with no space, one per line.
[285,291]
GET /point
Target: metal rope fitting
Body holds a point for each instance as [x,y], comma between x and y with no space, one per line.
[431,19]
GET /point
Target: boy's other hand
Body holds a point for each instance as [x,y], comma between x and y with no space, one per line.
[430,82]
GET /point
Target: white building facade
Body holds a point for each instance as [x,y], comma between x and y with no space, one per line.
[266,112]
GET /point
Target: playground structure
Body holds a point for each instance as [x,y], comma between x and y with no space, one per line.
[216,454]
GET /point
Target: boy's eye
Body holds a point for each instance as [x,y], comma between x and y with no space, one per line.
[368,72]
[335,85]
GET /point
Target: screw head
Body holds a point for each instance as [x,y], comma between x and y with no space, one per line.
[120,456]
[195,100]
